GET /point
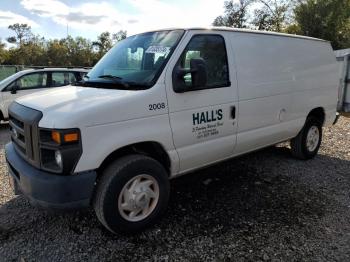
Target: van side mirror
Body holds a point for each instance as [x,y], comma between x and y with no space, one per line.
[14,89]
[198,71]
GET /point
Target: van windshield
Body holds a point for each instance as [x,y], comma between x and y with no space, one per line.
[136,62]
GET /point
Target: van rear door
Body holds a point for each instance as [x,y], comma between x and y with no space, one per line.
[203,119]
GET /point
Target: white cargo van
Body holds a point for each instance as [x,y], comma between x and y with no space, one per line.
[165,103]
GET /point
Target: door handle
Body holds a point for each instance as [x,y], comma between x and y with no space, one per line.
[233,112]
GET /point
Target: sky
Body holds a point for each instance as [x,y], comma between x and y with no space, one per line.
[51,18]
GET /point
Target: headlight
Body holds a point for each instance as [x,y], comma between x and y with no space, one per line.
[60,150]
[58,158]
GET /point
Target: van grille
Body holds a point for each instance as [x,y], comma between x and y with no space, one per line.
[24,131]
[17,134]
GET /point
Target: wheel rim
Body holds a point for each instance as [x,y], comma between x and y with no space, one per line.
[313,138]
[138,198]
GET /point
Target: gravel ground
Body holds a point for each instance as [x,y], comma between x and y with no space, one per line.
[264,206]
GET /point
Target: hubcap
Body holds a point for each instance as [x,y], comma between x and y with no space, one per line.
[138,198]
[312,139]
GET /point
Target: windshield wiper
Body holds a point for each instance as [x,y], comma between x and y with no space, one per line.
[116,81]
[110,77]
[115,85]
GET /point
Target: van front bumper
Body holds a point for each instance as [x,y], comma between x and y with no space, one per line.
[46,189]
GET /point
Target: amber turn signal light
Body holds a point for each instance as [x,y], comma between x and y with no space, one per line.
[69,137]
[72,137]
[56,136]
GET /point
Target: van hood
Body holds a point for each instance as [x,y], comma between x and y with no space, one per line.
[74,106]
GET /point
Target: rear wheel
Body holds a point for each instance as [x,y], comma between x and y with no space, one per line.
[307,143]
[132,194]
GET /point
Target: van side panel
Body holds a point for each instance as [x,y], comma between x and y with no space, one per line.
[114,136]
[128,119]
[280,80]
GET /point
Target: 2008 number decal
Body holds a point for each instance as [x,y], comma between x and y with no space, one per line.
[156,106]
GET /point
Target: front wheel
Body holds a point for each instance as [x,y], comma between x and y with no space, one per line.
[132,194]
[307,143]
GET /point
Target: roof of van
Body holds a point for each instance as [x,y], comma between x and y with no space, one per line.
[231,29]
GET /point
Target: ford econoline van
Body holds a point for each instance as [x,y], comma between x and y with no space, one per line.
[165,103]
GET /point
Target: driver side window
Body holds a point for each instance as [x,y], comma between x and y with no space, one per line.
[210,48]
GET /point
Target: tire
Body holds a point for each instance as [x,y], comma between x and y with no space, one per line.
[130,175]
[299,145]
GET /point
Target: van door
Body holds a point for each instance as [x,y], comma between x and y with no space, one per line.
[24,85]
[203,120]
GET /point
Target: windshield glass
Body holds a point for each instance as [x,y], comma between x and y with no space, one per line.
[137,60]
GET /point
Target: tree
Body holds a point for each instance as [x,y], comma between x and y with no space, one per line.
[105,41]
[236,14]
[34,51]
[326,19]
[273,15]
[57,53]
[293,29]
[37,51]
[3,52]
[23,32]
[119,36]
[80,51]
[31,52]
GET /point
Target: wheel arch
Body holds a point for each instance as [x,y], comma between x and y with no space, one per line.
[318,113]
[149,148]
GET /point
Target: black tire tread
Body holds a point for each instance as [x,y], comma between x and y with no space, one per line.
[296,143]
[106,179]
[296,148]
